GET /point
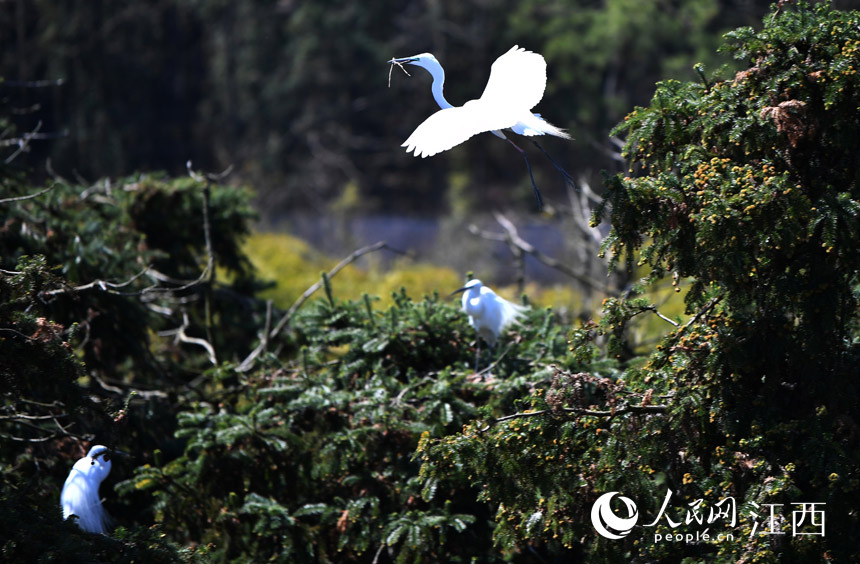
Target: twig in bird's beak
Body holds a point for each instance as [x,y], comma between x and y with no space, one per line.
[393,62]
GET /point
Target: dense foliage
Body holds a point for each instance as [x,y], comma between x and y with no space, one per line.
[97,299]
[345,430]
[312,460]
[307,456]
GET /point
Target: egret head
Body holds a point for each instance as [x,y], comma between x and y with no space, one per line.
[99,460]
[424,60]
[474,283]
[80,495]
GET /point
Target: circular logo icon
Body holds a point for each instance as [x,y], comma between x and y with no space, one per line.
[607,523]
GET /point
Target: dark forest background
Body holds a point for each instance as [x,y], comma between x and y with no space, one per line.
[294,94]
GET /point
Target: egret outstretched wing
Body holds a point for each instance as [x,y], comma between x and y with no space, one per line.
[517,83]
[449,127]
[517,80]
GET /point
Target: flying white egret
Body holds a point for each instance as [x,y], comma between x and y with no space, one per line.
[488,312]
[516,84]
[80,494]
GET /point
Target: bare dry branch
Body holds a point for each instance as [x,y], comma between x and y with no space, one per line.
[25,440]
[355,255]
[28,197]
[22,417]
[638,409]
[393,62]
[46,426]
[23,142]
[656,312]
[703,311]
[100,284]
[208,176]
[580,206]
[519,245]
[182,336]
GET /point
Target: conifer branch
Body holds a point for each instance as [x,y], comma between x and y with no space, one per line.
[285,319]
[636,409]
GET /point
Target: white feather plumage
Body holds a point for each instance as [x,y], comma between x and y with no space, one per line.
[516,84]
[80,494]
[488,312]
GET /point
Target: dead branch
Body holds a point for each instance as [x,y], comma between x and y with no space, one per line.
[249,360]
[519,246]
[22,417]
[183,337]
[637,409]
[393,62]
[703,311]
[23,142]
[36,422]
[28,197]
[103,285]
[655,311]
[581,210]
[208,274]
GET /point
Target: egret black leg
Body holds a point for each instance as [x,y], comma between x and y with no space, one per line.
[489,368]
[477,353]
[529,167]
[567,177]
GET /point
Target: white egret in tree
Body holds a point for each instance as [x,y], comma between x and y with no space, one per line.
[516,84]
[80,494]
[488,312]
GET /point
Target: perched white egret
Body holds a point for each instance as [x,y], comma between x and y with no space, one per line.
[81,491]
[488,312]
[516,84]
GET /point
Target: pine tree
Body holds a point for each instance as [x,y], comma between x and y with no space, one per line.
[744,189]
